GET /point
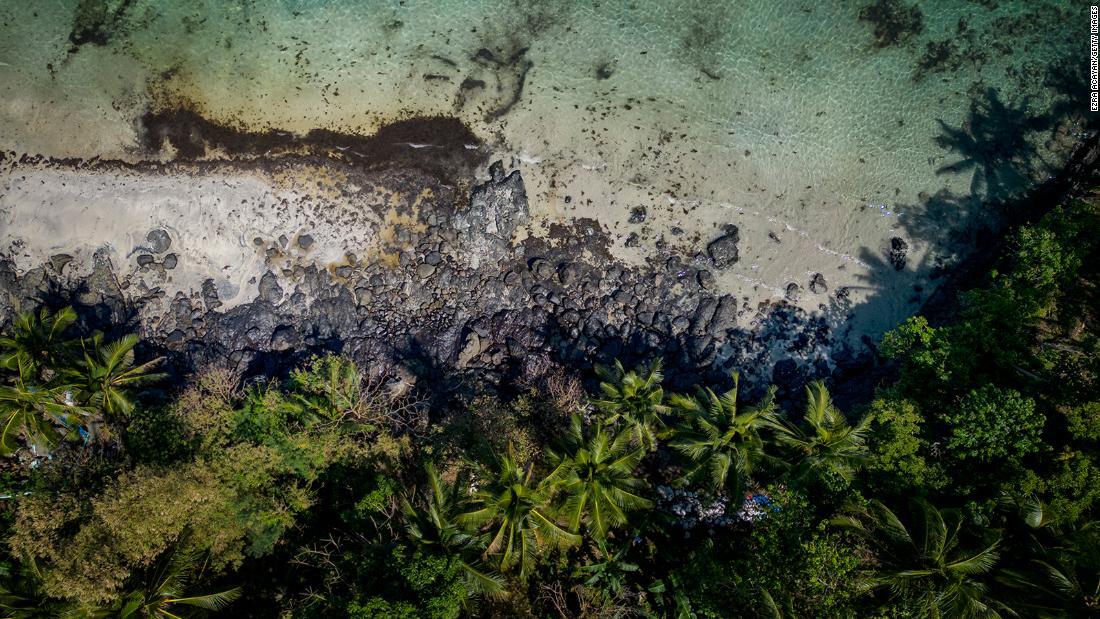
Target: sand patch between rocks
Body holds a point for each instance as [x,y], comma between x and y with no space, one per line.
[213,220]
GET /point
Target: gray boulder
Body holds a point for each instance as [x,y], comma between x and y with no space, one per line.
[269,288]
[897,253]
[159,241]
[723,250]
[496,209]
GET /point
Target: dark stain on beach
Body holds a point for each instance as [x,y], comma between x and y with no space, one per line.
[443,146]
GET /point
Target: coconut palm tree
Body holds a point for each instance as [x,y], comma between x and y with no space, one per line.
[35,344]
[773,608]
[166,592]
[634,400]
[825,442]
[330,390]
[595,474]
[925,563]
[720,438]
[21,594]
[36,414]
[512,512]
[609,572]
[108,374]
[1061,577]
[430,521]
[1061,580]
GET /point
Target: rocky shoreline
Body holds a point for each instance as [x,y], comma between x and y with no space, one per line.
[448,290]
[404,256]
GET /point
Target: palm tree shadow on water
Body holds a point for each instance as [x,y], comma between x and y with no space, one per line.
[1017,174]
[1012,180]
[1012,153]
[996,144]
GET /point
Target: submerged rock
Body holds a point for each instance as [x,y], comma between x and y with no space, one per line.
[817,284]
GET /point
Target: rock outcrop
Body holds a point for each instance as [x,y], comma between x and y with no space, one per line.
[496,209]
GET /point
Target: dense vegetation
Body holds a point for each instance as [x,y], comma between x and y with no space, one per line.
[967,488]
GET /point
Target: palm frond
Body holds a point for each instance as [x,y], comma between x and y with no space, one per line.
[210,601]
[980,562]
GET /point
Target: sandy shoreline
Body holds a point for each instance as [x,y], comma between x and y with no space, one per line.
[233,216]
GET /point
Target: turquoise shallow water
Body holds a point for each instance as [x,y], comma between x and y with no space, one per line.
[834,126]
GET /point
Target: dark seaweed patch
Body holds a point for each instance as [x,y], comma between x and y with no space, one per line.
[712,75]
[467,86]
[511,77]
[952,53]
[519,80]
[703,39]
[97,21]
[937,55]
[447,155]
[447,61]
[894,22]
[486,55]
[538,18]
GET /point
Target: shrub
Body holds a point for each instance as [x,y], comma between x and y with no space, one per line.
[87,550]
[921,349]
[991,424]
[425,585]
[1083,421]
[897,444]
[1042,265]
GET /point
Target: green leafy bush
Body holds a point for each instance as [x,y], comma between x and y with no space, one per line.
[991,424]
[1083,421]
[898,446]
